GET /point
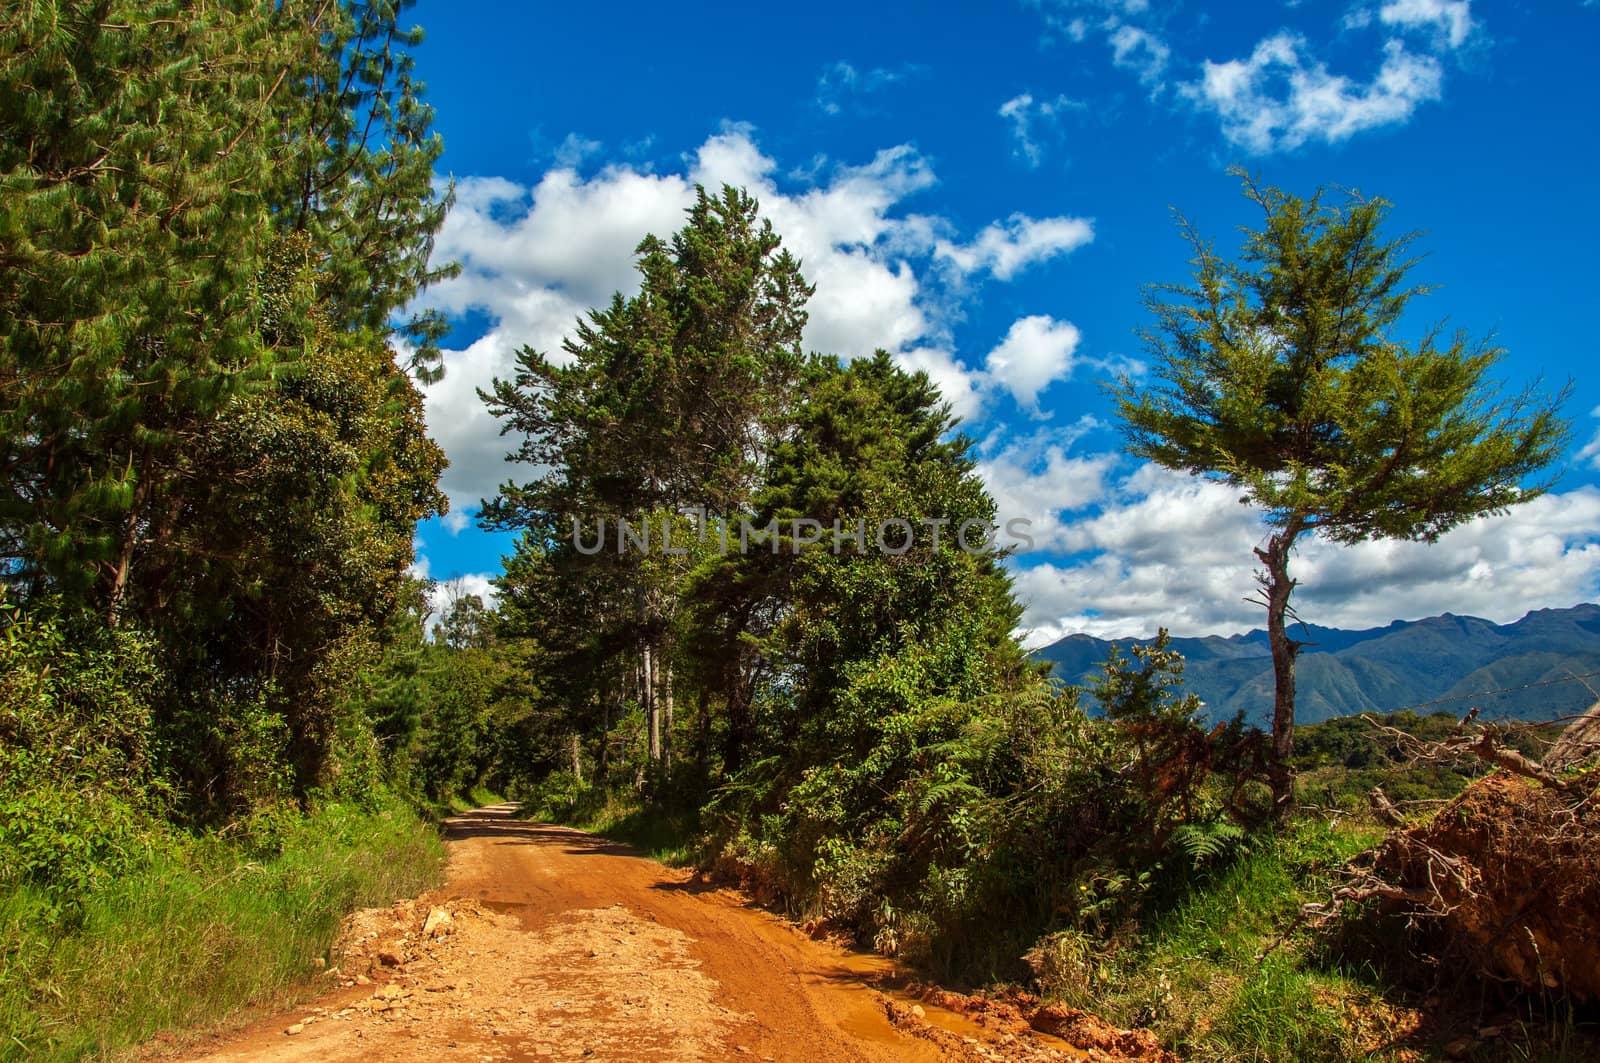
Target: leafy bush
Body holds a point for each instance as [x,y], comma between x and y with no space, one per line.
[80,795]
[67,842]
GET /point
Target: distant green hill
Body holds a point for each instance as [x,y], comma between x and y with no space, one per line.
[1385,669]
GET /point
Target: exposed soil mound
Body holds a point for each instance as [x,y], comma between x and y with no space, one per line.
[1016,1015]
[1511,870]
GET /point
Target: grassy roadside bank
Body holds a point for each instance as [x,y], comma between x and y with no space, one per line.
[210,926]
[667,836]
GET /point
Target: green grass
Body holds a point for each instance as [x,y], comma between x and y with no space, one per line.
[1193,973]
[199,935]
[669,837]
[1190,971]
[477,797]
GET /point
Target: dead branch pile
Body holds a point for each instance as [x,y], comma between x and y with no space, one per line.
[1578,745]
[1509,870]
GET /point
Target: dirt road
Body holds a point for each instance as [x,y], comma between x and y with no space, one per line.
[548,943]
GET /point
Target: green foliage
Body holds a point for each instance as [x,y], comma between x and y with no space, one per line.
[1283,374]
[1206,843]
[198,931]
[1189,968]
[358,177]
[662,400]
[666,403]
[465,624]
[211,470]
[79,789]
[206,436]
[1281,1013]
[135,234]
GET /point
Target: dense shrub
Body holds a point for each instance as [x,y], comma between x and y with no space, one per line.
[81,796]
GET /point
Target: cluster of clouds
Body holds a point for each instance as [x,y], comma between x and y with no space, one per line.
[1124,548]
[1030,119]
[1120,547]
[1591,451]
[1282,94]
[534,259]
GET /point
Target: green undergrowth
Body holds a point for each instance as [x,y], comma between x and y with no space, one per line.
[665,834]
[209,926]
[477,797]
[1211,971]
[1196,972]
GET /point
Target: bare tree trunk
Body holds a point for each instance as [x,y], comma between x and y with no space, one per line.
[602,761]
[666,711]
[652,720]
[577,757]
[1277,587]
[130,537]
[702,751]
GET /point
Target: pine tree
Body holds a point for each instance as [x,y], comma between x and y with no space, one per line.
[666,404]
[131,140]
[356,173]
[1284,375]
[210,217]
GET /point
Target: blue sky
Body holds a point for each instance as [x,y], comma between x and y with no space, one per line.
[983,189]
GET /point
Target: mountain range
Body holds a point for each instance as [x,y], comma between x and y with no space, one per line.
[1444,663]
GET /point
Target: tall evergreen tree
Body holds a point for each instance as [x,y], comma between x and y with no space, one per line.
[210,217]
[666,402]
[132,140]
[1285,374]
[356,169]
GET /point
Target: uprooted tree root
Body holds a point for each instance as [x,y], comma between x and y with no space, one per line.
[1508,873]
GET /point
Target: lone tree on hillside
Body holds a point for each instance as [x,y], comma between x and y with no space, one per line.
[1282,374]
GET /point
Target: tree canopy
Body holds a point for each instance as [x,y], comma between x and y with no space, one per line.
[1287,373]
[209,422]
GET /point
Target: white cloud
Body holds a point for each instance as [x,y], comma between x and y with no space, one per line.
[1591,453]
[1452,19]
[536,258]
[1282,95]
[1141,52]
[1170,550]
[572,151]
[841,81]
[1027,115]
[966,390]
[1005,249]
[567,235]
[1036,352]
[1279,98]
[1038,479]
[1129,28]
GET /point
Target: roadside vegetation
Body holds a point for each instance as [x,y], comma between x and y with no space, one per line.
[204,926]
[228,709]
[212,462]
[853,733]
